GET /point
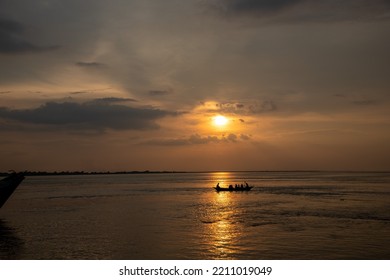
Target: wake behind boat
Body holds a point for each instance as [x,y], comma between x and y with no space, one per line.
[8,185]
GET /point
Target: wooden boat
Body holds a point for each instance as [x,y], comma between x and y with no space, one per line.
[8,185]
[244,189]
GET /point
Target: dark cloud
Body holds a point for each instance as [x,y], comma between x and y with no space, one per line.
[94,115]
[265,106]
[197,139]
[12,41]
[158,93]
[92,65]
[257,6]
[109,100]
[91,91]
[298,11]
[252,8]
[10,26]
[247,108]
[79,92]
[365,102]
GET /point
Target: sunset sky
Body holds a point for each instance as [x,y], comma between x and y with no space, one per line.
[134,85]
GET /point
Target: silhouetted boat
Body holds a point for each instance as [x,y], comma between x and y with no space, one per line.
[244,189]
[8,185]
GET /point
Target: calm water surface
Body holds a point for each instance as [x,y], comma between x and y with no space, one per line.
[287,215]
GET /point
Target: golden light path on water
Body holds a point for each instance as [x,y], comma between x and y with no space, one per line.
[223,231]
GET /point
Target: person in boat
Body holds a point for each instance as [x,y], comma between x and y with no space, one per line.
[246,185]
[218,187]
[230,187]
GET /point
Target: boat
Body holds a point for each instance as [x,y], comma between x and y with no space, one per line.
[8,185]
[245,189]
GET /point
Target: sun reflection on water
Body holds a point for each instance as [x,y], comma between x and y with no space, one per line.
[220,218]
[221,177]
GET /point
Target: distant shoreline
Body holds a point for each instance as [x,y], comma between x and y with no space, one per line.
[65,173]
[54,173]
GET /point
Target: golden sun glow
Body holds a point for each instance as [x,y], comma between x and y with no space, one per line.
[220,120]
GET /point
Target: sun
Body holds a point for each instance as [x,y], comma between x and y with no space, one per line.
[220,121]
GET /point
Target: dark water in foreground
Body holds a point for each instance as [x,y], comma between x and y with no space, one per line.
[288,215]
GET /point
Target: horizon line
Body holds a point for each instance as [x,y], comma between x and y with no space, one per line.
[83,172]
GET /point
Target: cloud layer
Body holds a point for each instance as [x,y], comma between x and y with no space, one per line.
[277,69]
[12,41]
[303,11]
[197,139]
[94,115]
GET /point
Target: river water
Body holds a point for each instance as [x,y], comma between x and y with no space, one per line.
[287,215]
